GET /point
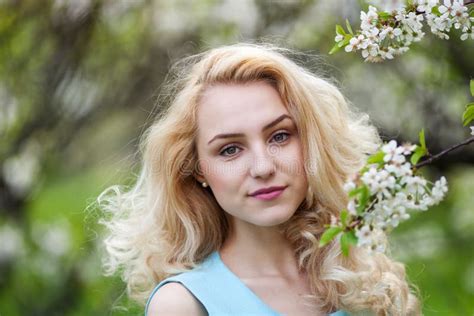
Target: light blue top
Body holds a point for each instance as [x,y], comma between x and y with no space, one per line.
[220,291]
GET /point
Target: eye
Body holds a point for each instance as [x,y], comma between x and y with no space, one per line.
[230,150]
[281,137]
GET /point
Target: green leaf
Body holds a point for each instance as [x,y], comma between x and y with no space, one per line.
[329,235]
[417,154]
[355,191]
[470,10]
[348,239]
[345,41]
[340,30]
[422,139]
[352,237]
[471,85]
[468,114]
[376,158]
[339,45]
[363,198]
[349,28]
[435,11]
[334,49]
[384,15]
[344,214]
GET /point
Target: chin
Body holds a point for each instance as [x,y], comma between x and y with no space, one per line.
[272,218]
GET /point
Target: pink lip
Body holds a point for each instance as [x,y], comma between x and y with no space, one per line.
[270,195]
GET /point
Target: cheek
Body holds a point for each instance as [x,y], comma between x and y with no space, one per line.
[226,188]
[292,162]
[225,178]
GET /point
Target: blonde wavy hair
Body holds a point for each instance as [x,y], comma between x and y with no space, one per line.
[167,223]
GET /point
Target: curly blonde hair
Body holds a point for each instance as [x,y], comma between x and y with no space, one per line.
[166,223]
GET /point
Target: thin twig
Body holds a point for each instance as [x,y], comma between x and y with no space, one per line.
[444,152]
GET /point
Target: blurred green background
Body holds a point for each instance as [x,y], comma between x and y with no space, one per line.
[78,84]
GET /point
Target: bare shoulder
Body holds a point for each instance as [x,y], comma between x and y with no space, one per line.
[174,299]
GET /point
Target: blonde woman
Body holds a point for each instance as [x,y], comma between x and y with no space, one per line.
[240,174]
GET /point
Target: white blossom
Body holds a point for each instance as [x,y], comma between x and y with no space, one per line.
[351,207]
[394,191]
[393,152]
[364,235]
[467,32]
[371,238]
[390,32]
[439,190]
[349,186]
[408,148]
[368,19]
[384,36]
[354,43]
[399,170]
[426,5]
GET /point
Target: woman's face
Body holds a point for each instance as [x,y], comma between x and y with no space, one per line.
[247,141]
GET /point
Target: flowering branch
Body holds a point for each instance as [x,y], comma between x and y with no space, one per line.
[383,192]
[383,34]
[381,195]
[386,189]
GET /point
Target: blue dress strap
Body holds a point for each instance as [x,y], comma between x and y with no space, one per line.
[220,291]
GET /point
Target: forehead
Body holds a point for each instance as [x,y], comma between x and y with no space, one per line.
[238,108]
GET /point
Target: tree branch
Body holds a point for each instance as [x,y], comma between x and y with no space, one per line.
[444,152]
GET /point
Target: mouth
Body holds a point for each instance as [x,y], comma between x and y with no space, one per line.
[268,193]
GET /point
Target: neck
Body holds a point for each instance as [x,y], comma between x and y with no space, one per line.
[258,251]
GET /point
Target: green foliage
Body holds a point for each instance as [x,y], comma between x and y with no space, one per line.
[329,235]
[347,239]
[340,30]
[349,28]
[363,199]
[362,193]
[376,158]
[344,217]
[346,37]
[435,11]
[422,140]
[468,114]
[383,16]
[420,150]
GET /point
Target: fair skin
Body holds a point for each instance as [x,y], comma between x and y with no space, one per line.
[236,166]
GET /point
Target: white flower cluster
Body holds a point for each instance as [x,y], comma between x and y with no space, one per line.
[383,35]
[452,13]
[393,190]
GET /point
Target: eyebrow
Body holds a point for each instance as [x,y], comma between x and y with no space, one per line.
[269,125]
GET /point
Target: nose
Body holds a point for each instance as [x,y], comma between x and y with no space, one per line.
[263,165]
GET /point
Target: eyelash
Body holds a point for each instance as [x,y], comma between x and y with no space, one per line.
[221,153]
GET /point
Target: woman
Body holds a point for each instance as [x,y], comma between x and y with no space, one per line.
[240,174]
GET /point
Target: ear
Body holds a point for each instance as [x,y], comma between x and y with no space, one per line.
[199,175]
[199,178]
